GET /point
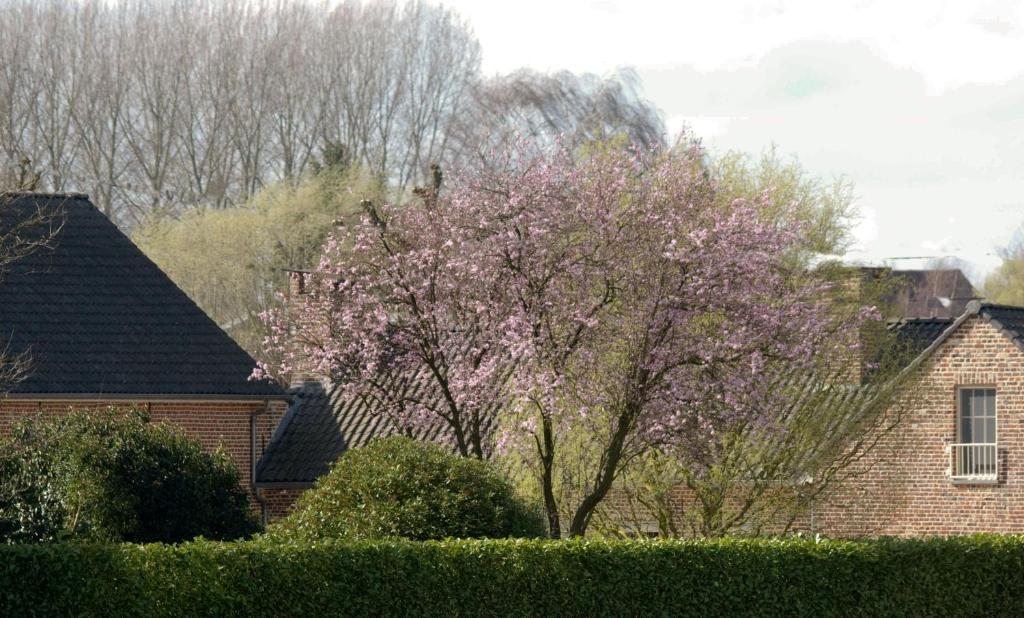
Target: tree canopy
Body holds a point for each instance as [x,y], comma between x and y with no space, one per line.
[232,262]
[160,107]
[1006,283]
[619,292]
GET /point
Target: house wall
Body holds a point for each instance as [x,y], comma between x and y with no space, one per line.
[280,501]
[214,423]
[904,488]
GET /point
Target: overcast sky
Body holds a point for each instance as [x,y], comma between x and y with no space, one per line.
[921,105]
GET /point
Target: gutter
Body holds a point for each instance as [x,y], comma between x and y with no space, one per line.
[198,398]
[285,485]
[257,491]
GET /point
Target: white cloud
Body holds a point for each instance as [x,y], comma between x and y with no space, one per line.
[949,43]
[920,104]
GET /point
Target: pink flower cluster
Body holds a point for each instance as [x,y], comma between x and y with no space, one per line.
[590,290]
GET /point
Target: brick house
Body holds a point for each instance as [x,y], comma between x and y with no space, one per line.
[956,463]
[103,325]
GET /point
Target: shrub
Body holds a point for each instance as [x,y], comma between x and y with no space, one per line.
[519,578]
[398,487]
[113,476]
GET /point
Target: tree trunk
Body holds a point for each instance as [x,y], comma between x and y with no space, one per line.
[547,457]
[605,476]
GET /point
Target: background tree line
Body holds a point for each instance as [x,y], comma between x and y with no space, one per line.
[158,107]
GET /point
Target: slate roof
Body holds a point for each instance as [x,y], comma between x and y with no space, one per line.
[1008,319]
[321,424]
[919,333]
[99,319]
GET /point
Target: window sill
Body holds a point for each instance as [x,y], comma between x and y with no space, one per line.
[974,481]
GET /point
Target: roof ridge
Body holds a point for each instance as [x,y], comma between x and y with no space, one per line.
[74,195]
[904,319]
[984,304]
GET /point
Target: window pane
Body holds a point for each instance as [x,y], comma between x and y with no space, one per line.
[977,412]
[965,403]
[977,402]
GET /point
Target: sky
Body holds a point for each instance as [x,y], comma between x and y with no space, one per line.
[919,104]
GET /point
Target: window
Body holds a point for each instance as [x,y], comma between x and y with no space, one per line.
[975,457]
[977,416]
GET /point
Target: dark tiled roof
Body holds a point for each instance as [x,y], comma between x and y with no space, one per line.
[1010,320]
[919,333]
[321,424]
[926,335]
[98,317]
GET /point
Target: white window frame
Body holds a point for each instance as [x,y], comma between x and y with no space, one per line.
[960,411]
[975,457]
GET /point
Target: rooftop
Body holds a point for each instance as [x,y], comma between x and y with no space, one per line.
[100,320]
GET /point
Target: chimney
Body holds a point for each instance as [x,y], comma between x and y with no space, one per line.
[297,283]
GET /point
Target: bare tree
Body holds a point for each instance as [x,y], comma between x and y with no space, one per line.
[98,113]
[24,228]
[576,108]
[156,107]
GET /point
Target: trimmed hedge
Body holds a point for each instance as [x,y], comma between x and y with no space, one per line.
[978,576]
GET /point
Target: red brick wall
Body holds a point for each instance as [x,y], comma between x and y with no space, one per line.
[279,501]
[215,424]
[904,489]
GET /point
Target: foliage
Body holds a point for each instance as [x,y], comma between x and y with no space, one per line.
[622,296]
[825,211]
[519,578]
[1005,284]
[398,487]
[112,476]
[232,262]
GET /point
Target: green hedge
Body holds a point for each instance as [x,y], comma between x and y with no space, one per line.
[980,576]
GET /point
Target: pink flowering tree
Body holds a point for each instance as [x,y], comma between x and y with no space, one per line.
[607,295]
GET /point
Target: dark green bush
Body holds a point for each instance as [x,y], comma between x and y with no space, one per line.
[398,487]
[982,576]
[113,476]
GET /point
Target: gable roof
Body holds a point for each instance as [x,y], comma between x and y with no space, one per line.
[928,335]
[100,319]
[322,423]
[1007,319]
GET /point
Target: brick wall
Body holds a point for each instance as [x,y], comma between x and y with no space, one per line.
[904,489]
[279,501]
[215,424]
